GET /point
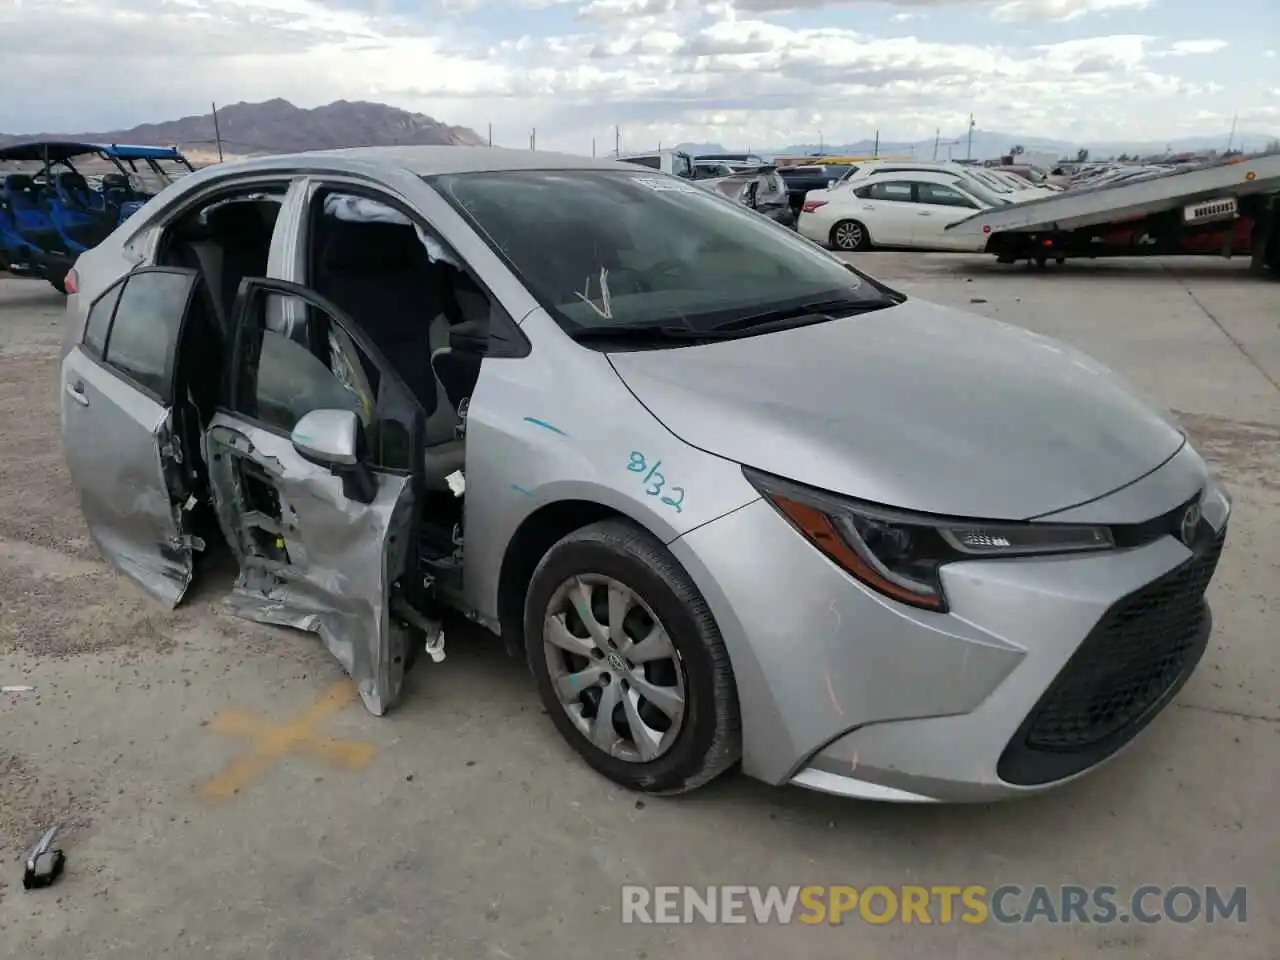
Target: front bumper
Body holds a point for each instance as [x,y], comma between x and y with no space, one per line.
[1043,669]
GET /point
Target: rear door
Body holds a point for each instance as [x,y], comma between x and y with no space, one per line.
[320,548]
[119,434]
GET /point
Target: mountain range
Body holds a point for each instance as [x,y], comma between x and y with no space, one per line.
[990,144]
[277,126]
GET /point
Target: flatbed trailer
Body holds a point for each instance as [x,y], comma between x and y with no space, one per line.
[1226,208]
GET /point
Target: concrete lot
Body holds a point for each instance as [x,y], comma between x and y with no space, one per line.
[461,827]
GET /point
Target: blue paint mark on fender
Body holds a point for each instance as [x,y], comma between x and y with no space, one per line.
[545,426]
[519,489]
[655,481]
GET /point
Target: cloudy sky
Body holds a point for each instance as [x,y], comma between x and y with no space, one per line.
[736,71]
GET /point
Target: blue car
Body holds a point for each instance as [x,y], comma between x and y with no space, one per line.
[50,212]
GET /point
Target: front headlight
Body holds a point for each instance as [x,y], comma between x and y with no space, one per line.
[899,554]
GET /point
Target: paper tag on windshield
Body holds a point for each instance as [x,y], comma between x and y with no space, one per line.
[663,185]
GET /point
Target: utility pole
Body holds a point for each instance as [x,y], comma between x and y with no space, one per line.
[1232,138]
[491,134]
[593,148]
[876,151]
[217,134]
[533,139]
[937,134]
[968,154]
[821,142]
[617,142]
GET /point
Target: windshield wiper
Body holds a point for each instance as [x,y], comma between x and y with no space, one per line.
[805,313]
[641,332]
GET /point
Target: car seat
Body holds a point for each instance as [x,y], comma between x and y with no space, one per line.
[30,220]
[197,249]
[74,190]
[242,232]
[69,204]
[379,275]
[370,271]
[116,190]
[457,364]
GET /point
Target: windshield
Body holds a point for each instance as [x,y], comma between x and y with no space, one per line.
[709,171]
[977,188]
[990,180]
[599,248]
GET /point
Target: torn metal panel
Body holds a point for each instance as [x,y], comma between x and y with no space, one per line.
[309,557]
[121,453]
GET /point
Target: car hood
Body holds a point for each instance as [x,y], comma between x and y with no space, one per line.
[916,406]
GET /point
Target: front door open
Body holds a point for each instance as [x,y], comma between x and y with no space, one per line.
[320,542]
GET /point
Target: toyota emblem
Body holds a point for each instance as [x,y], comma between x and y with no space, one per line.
[1190,523]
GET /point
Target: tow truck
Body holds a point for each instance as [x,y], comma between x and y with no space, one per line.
[1223,208]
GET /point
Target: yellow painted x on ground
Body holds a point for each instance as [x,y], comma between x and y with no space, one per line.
[272,741]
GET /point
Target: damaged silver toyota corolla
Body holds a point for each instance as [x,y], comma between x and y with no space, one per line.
[732,499]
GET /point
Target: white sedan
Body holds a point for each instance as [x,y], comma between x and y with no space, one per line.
[908,209]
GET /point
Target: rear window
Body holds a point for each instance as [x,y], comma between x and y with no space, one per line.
[599,247]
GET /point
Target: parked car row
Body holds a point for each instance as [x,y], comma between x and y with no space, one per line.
[908,204]
[744,178]
[857,203]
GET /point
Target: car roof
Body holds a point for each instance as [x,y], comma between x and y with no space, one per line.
[131,151]
[420,160]
[54,150]
[931,164]
[945,176]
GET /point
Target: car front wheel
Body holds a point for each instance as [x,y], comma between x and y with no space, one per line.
[629,661]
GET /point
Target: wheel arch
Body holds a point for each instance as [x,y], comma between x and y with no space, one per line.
[535,535]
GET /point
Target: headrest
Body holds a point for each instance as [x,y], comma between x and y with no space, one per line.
[370,247]
[114,181]
[19,183]
[70,180]
[241,218]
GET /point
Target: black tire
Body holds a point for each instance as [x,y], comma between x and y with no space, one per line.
[838,241]
[59,285]
[710,739]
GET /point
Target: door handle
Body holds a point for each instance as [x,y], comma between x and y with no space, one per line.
[77,393]
[867,206]
[924,213]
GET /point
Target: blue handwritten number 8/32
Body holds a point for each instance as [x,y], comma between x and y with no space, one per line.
[656,481]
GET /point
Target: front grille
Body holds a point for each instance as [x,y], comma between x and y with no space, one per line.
[1137,656]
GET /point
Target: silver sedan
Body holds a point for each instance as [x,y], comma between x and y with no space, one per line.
[731,498]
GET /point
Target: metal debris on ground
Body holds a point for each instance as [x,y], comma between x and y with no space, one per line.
[44,863]
[16,689]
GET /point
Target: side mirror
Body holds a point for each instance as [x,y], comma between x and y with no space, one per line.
[830,184]
[330,438]
[335,439]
